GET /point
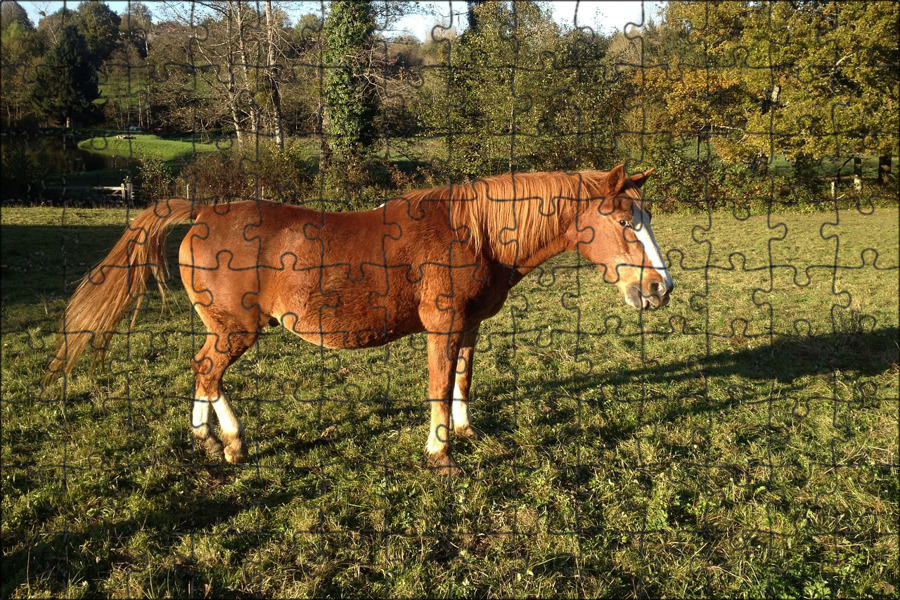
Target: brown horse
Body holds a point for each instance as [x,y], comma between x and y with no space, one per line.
[440,261]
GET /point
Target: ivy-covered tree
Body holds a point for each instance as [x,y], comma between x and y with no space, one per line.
[65,83]
[351,104]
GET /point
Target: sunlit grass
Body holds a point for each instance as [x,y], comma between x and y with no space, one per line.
[139,145]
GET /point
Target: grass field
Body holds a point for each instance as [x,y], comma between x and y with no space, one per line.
[140,145]
[741,442]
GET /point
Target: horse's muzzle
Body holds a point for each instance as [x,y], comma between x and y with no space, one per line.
[655,294]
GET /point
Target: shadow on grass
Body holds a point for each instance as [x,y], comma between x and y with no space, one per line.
[745,376]
[787,359]
[80,560]
[46,261]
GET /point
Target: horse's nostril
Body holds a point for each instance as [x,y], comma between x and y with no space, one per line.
[658,293]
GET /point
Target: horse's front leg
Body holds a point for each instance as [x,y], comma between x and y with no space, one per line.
[443,350]
[461,425]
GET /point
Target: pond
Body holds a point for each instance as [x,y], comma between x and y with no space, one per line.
[57,155]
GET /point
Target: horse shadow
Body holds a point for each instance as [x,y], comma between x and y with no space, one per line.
[786,361]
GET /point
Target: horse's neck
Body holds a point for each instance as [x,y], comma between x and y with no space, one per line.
[548,251]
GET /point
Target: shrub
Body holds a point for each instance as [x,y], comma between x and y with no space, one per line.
[215,175]
[265,172]
[154,179]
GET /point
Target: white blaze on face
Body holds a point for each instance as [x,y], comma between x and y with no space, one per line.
[645,236]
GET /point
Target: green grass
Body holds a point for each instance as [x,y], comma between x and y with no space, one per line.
[741,442]
[145,145]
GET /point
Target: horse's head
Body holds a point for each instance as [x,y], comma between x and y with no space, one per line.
[614,233]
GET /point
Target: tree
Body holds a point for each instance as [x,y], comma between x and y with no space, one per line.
[12,12]
[18,52]
[50,26]
[100,27]
[65,83]
[136,27]
[308,28]
[273,81]
[125,72]
[184,95]
[808,80]
[237,62]
[350,101]
[860,60]
[472,7]
[218,59]
[301,93]
[518,93]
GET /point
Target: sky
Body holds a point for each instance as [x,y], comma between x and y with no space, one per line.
[606,16]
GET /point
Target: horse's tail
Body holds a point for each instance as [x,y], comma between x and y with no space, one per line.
[111,288]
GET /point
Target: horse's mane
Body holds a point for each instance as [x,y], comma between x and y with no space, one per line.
[513,216]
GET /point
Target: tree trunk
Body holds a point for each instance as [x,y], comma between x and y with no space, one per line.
[242,54]
[761,164]
[857,173]
[236,118]
[884,169]
[273,78]
[232,95]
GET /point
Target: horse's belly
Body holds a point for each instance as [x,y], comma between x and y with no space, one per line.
[332,334]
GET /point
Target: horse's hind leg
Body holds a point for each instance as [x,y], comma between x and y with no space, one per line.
[219,351]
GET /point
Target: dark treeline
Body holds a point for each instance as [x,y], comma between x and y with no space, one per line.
[735,93]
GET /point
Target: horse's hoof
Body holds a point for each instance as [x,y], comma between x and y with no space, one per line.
[444,464]
[212,446]
[471,432]
[235,451]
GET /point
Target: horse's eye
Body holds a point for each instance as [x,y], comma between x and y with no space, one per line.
[623,223]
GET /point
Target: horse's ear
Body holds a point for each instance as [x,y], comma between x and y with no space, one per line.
[615,181]
[641,178]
